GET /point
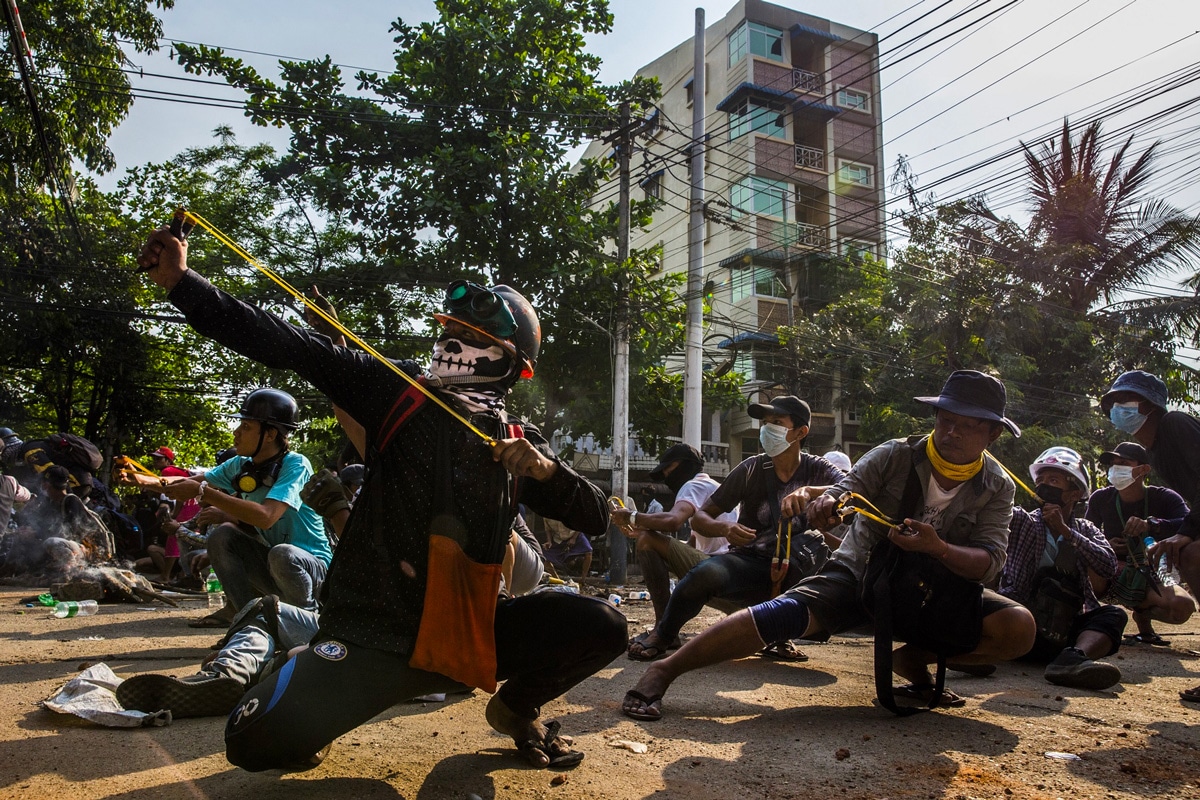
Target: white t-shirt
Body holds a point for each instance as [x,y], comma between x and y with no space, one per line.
[697,491]
[937,500]
[12,493]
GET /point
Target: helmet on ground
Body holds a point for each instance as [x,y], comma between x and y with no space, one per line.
[271,407]
[500,313]
[1065,459]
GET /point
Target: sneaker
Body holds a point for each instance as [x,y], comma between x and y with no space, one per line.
[204,694]
[1073,668]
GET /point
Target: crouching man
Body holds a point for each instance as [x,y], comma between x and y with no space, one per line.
[410,604]
[961,518]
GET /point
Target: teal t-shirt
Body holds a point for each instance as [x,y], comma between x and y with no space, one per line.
[299,525]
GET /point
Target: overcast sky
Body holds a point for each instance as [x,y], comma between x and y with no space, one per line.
[951,109]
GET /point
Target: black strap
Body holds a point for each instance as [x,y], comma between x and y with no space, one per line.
[910,505]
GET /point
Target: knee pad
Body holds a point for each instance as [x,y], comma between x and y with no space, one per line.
[785,617]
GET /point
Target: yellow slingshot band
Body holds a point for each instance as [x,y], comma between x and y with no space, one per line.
[845,509]
[196,219]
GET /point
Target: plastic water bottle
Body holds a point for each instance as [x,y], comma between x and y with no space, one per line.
[216,595]
[1167,577]
[73,608]
[640,594]
[615,599]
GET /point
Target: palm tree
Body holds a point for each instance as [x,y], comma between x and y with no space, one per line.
[1094,233]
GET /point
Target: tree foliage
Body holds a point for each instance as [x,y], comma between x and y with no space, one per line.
[81,49]
[455,166]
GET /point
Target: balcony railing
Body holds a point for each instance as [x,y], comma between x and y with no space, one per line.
[791,234]
[810,157]
[807,81]
[590,457]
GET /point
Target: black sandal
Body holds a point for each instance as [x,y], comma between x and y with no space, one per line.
[552,746]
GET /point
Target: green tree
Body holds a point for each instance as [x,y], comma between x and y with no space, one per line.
[455,166]
[81,88]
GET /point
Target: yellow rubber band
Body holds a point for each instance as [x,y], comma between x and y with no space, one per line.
[225,240]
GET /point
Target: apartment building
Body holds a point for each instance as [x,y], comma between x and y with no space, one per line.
[793,189]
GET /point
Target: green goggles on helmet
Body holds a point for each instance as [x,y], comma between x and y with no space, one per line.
[482,306]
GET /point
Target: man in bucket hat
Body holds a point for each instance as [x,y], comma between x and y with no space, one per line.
[1136,404]
[961,520]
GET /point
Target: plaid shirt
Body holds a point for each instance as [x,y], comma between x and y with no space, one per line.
[1027,543]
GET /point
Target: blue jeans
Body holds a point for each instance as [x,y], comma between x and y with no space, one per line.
[249,568]
[742,580]
[252,648]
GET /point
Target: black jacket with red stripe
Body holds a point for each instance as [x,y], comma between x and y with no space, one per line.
[434,475]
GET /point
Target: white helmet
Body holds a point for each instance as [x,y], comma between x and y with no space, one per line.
[1068,461]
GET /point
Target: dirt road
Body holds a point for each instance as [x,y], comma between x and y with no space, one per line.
[752,728]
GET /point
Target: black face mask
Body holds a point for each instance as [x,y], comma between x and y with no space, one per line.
[1050,495]
[681,475]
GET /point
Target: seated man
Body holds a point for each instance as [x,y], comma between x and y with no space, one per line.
[743,575]
[566,549]
[961,519]
[1128,511]
[1050,554]
[286,552]
[659,552]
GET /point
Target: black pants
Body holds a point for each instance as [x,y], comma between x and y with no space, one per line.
[545,644]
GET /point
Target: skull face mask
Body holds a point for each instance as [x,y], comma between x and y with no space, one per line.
[458,359]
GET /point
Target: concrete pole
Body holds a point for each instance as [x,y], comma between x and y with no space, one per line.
[693,350]
[618,550]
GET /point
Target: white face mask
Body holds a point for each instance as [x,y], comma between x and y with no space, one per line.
[1120,477]
[773,438]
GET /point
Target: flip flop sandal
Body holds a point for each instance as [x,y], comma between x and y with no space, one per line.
[924,693]
[783,651]
[651,714]
[648,652]
[214,620]
[1190,695]
[554,748]
[1147,638]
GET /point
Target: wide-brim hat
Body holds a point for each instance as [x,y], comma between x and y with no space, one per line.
[1131,450]
[679,452]
[1142,383]
[970,393]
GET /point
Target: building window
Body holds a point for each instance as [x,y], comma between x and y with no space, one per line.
[755,39]
[757,281]
[854,173]
[689,89]
[854,99]
[855,250]
[754,195]
[750,116]
[652,185]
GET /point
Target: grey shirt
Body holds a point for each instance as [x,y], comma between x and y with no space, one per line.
[978,515]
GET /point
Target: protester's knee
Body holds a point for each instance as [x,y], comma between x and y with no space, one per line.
[1180,609]
[220,541]
[611,629]
[1009,633]
[281,560]
[703,580]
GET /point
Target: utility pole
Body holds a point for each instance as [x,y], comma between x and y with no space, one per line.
[694,347]
[618,549]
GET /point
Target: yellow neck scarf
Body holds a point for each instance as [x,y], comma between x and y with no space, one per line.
[955,472]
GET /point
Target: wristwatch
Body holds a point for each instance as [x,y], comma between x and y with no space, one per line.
[633,519]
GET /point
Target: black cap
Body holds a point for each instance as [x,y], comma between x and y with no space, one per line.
[678,452]
[1131,450]
[787,404]
[972,394]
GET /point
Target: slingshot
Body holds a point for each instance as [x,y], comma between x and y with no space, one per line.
[779,567]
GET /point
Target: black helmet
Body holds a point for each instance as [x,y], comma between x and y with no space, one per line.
[271,407]
[8,437]
[512,323]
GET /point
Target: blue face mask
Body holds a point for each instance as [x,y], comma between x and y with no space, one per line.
[773,438]
[1125,417]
